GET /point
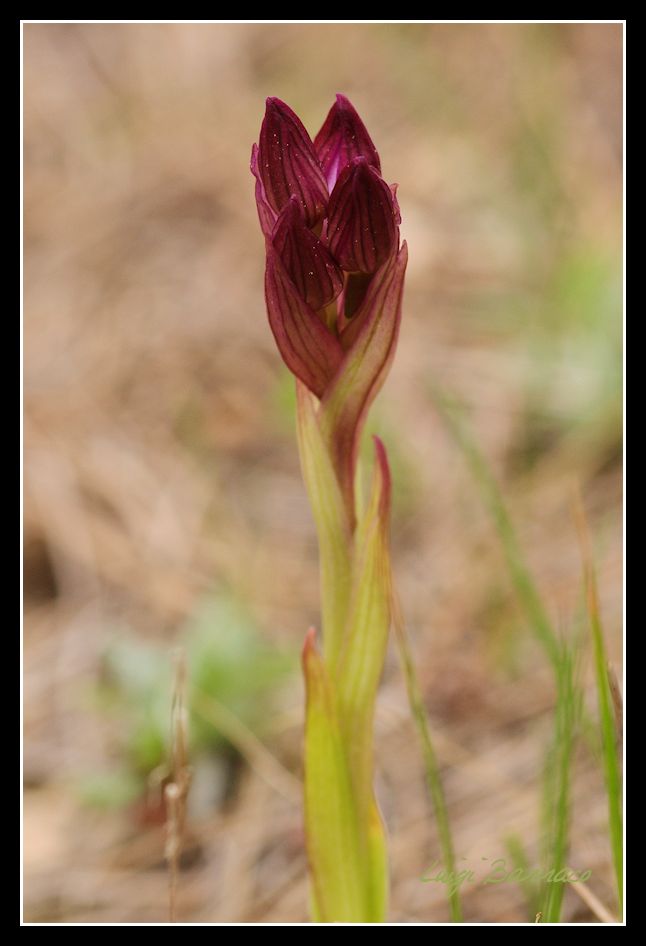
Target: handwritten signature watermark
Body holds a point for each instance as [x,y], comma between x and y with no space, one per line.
[497,872]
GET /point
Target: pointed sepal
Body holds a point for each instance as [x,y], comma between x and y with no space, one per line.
[266,215]
[313,271]
[361,229]
[342,137]
[287,163]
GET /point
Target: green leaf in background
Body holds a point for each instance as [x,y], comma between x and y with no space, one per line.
[109,789]
[229,660]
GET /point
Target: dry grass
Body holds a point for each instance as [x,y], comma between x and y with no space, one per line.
[160,461]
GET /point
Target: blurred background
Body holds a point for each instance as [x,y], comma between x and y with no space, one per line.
[163,501]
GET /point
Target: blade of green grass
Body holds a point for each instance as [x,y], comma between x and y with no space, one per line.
[433,778]
[607,708]
[558,780]
[568,712]
[520,860]
[490,491]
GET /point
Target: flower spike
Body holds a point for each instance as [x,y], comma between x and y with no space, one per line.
[334,281]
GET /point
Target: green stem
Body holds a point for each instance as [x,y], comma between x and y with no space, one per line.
[345,835]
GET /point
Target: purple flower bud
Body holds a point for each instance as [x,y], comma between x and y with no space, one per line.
[342,356]
[342,138]
[361,229]
[311,268]
[287,164]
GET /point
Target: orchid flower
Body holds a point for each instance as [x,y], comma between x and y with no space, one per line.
[334,280]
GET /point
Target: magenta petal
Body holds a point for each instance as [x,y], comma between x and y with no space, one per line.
[370,344]
[315,274]
[363,216]
[288,165]
[342,138]
[307,346]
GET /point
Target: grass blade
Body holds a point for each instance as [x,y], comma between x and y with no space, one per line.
[432,771]
[520,860]
[609,703]
[490,491]
[558,781]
